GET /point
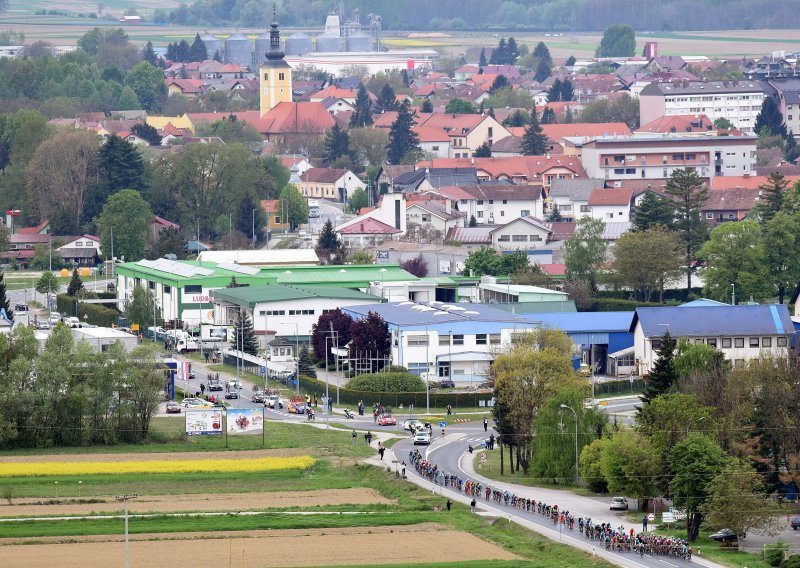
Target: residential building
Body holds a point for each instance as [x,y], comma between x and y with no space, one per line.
[657,157]
[466,131]
[522,233]
[501,203]
[367,232]
[571,197]
[283,312]
[433,214]
[787,94]
[739,101]
[390,221]
[330,183]
[83,251]
[384,178]
[447,340]
[275,221]
[614,204]
[723,205]
[741,333]
[435,142]
[334,106]
[558,133]
[679,124]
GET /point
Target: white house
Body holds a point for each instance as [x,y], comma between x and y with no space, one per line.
[434,142]
[612,205]
[434,214]
[83,251]
[329,183]
[390,217]
[571,197]
[741,333]
[498,204]
[522,233]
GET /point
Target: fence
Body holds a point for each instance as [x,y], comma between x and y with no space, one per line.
[624,386]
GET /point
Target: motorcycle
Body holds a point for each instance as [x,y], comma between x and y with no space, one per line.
[191,375]
[348,414]
[310,415]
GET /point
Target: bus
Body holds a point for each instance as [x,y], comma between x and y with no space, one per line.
[313,208]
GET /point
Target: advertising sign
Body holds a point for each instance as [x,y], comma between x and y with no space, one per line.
[203,421]
[245,420]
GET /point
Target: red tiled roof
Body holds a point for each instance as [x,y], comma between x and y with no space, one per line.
[322,175]
[34,230]
[679,123]
[454,192]
[736,199]
[615,196]
[369,226]
[530,168]
[746,182]
[554,269]
[28,238]
[289,117]
[561,230]
[171,130]
[560,131]
[187,85]
[428,134]
[335,92]
[164,223]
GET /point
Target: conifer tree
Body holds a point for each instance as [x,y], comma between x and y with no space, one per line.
[198,51]
[5,302]
[387,100]
[534,142]
[426,106]
[663,375]
[402,140]
[362,115]
[244,336]
[482,59]
[75,285]
[305,364]
[149,55]
[337,144]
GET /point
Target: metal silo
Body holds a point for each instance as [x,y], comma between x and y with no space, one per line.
[298,44]
[262,47]
[237,50]
[328,42]
[212,43]
[359,42]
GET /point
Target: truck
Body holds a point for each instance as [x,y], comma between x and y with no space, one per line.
[313,208]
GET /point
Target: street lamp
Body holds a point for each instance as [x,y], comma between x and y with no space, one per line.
[733,293]
[126,498]
[254,225]
[576,440]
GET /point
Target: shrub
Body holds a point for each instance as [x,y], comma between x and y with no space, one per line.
[387,382]
[97,313]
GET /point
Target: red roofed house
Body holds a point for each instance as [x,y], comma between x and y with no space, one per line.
[466,131]
[329,183]
[367,232]
[82,251]
[434,142]
[729,204]
[744,182]
[683,124]
[275,222]
[612,205]
[332,91]
[189,88]
[295,126]
[557,133]
[41,229]
[303,165]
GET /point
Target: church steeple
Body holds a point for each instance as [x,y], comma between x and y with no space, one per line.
[275,52]
[275,75]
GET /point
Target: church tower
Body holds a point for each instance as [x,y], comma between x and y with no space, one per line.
[275,75]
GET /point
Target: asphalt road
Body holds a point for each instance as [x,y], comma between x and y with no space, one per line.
[327,212]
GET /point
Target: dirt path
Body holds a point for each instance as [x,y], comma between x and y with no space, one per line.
[323,547]
[199,502]
[166,456]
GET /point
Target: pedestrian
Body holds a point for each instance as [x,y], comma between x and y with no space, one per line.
[404,469]
[491,441]
[449,410]
[205,354]
[381,449]
[355,436]
[202,388]
[485,424]
[644,523]
[330,404]
[472,505]
[375,416]
[449,504]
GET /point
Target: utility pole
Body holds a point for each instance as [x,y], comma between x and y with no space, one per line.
[126,498]
[576,440]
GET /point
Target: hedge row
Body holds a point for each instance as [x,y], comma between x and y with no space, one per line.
[387,382]
[623,386]
[97,313]
[617,305]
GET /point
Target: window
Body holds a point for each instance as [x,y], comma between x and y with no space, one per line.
[502,213]
[281,76]
[276,312]
[444,340]
[731,216]
[417,368]
[753,342]
[505,202]
[491,202]
[630,171]
[494,339]
[738,342]
[766,342]
[151,285]
[655,344]
[481,339]
[782,342]
[266,76]
[711,342]
[458,340]
[504,238]
[525,213]
[726,342]
[417,340]
[677,157]
[480,214]
[665,173]
[435,148]
[585,208]
[691,156]
[262,312]
[277,220]
[519,238]
[480,202]
[78,243]
[709,215]
[168,289]
[536,238]
[619,171]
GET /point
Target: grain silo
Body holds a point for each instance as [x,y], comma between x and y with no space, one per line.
[298,44]
[359,42]
[329,43]
[237,50]
[212,43]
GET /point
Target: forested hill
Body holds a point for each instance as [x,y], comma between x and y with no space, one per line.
[565,15]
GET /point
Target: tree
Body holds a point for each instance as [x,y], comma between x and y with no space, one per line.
[293,205]
[321,338]
[645,260]
[416,266]
[621,109]
[244,336]
[75,284]
[483,151]
[147,82]
[542,52]
[149,55]
[362,114]
[231,130]
[487,260]
[358,200]
[629,464]
[47,283]
[337,144]
[330,248]
[403,142]
[694,357]
[770,118]
[473,222]
[147,133]
[198,52]
[570,61]
[723,123]
[142,308]
[770,202]
[781,239]
[5,302]
[305,365]
[482,59]
[652,211]
[543,71]
[387,100]
[585,250]
[499,53]
[735,259]
[534,141]
[663,375]
[122,165]
[370,334]
[695,462]
[560,91]
[500,82]
[591,466]
[549,116]
[517,118]
[169,241]
[360,257]
[688,192]
[554,216]
[459,106]
[128,213]
[512,52]
[426,106]
[619,40]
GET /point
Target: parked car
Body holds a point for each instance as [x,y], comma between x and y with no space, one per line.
[725,535]
[43,325]
[193,402]
[422,437]
[447,384]
[173,407]
[796,523]
[54,317]
[619,504]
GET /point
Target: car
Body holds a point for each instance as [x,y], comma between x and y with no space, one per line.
[173,407]
[273,401]
[72,321]
[193,402]
[43,325]
[412,424]
[232,393]
[422,437]
[386,419]
[54,317]
[447,384]
[724,535]
[796,523]
[258,396]
[619,504]
[297,408]
[214,385]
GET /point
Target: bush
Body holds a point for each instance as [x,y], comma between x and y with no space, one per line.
[387,382]
[792,562]
[97,313]
[774,553]
[617,305]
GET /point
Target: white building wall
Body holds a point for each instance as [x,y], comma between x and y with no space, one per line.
[611,213]
[501,211]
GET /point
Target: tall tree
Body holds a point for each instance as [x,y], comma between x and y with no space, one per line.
[147,133]
[459,106]
[781,239]
[358,200]
[293,206]
[5,302]
[549,116]
[75,284]
[735,257]
[321,338]
[147,82]
[149,55]
[770,118]
[387,100]
[337,144]
[330,248]
[543,71]
[482,59]
[305,365]
[198,52]
[370,335]
[124,225]
[483,151]
[771,201]
[244,336]
[542,52]
[142,308]
[362,114]
[416,266]
[621,109]
[645,260]
[629,464]
[554,92]
[567,90]
[534,141]
[512,52]
[403,142]
[619,40]
[585,250]
[426,106]
[499,53]
[688,192]
[653,210]
[500,82]
[663,375]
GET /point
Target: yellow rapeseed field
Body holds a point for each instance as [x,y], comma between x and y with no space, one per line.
[36,469]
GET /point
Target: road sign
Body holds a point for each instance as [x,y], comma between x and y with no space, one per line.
[483,456]
[294,382]
[442,424]
[134,327]
[651,517]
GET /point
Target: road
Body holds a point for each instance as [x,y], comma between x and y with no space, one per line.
[24,295]
[328,211]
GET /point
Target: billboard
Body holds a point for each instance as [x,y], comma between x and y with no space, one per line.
[245,420]
[210,333]
[203,421]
